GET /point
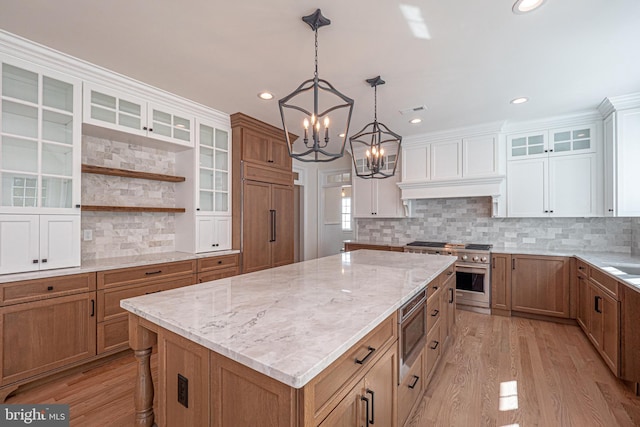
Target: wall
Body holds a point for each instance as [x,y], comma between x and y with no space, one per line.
[469,220]
[635,236]
[125,234]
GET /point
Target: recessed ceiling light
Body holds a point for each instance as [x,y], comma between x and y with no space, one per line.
[526,6]
[265,95]
[415,121]
[520,100]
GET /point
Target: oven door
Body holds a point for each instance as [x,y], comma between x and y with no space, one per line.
[413,336]
[472,284]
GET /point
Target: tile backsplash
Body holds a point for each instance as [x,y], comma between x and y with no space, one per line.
[469,220]
[123,234]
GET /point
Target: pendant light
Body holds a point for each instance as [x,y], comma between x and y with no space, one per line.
[375,149]
[318,110]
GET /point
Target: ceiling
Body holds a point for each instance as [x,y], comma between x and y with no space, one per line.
[566,56]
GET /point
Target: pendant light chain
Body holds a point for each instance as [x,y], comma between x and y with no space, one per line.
[375,103]
[315,74]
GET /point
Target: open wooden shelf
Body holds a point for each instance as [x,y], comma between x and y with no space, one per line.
[101,170]
[99,208]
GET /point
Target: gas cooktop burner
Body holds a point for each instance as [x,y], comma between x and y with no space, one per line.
[478,247]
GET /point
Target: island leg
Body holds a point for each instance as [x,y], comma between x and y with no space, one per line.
[142,340]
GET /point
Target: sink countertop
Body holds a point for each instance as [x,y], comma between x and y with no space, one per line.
[103,264]
[291,322]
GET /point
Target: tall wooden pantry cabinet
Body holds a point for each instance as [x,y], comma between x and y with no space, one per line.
[263,231]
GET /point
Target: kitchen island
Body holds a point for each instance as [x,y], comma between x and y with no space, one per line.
[276,347]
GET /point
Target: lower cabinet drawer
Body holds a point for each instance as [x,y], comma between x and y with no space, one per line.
[218,262]
[434,312]
[329,387]
[218,274]
[113,335]
[432,350]
[410,389]
[37,289]
[109,299]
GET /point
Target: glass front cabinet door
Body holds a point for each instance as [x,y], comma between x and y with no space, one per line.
[40,137]
[214,177]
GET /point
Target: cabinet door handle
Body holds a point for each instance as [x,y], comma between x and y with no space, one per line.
[35,261]
[364,359]
[93,308]
[436,343]
[415,381]
[272,219]
[44,260]
[435,313]
[513,264]
[450,295]
[219,262]
[373,410]
[49,288]
[596,302]
[366,402]
[149,273]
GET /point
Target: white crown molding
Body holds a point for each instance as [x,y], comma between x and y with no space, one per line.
[475,187]
[27,50]
[457,133]
[569,120]
[622,102]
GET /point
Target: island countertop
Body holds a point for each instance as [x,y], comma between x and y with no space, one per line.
[291,322]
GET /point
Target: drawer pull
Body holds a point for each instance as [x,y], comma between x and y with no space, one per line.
[435,345]
[149,273]
[371,351]
[435,313]
[449,273]
[219,262]
[415,381]
[49,288]
[153,292]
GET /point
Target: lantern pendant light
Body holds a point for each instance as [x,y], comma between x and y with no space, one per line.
[308,109]
[375,149]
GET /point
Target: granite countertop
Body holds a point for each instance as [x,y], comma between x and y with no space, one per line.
[103,264]
[291,322]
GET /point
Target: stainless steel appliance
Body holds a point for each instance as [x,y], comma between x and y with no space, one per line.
[473,286]
[412,319]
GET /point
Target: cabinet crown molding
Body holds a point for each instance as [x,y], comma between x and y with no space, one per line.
[622,102]
[570,120]
[457,133]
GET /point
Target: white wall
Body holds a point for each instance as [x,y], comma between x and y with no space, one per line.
[309,173]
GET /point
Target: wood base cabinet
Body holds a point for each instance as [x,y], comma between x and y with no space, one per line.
[501,284]
[45,325]
[540,285]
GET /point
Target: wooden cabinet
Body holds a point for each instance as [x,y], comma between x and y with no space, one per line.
[599,312]
[553,173]
[448,305]
[262,170]
[351,246]
[125,112]
[219,267]
[629,337]
[119,284]
[501,284]
[411,389]
[540,285]
[38,242]
[268,229]
[46,324]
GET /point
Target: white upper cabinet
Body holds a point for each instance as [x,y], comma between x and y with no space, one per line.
[213,233]
[377,198]
[446,160]
[125,112]
[622,171]
[40,140]
[416,163]
[554,173]
[480,156]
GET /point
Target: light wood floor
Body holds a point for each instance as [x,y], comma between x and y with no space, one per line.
[548,374]
[551,376]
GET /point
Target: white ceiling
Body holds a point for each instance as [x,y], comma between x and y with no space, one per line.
[566,56]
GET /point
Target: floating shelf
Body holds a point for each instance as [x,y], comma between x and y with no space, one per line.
[98,208]
[101,170]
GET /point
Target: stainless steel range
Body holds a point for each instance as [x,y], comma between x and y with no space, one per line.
[473,287]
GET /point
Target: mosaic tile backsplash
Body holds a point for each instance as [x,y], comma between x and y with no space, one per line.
[469,220]
[123,234]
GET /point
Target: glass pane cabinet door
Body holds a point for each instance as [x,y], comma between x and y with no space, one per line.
[524,146]
[170,126]
[112,110]
[39,140]
[213,184]
[573,140]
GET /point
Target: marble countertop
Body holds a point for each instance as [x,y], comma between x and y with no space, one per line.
[291,322]
[103,264]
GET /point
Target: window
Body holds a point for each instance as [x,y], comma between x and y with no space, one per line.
[346,208]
